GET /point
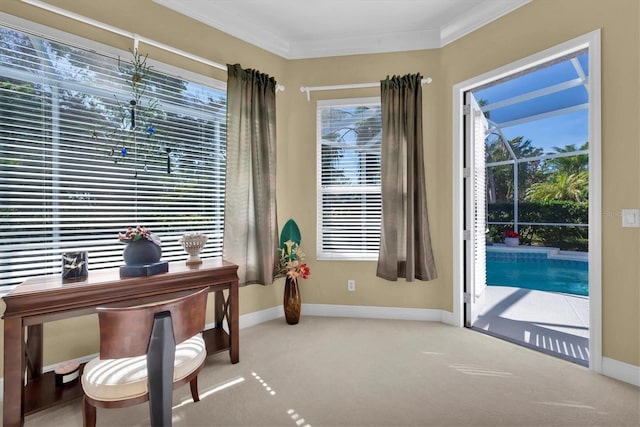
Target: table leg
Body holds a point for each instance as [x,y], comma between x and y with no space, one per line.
[14,368]
[34,351]
[219,312]
[233,319]
[225,309]
[229,309]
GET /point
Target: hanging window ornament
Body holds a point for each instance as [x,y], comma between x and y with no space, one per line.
[126,116]
[133,113]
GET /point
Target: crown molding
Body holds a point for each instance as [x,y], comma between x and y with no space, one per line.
[229,21]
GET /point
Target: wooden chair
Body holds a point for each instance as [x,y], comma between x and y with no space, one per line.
[145,352]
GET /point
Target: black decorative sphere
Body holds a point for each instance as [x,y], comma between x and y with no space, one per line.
[141,252]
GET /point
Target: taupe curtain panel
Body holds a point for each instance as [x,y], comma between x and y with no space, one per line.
[250,223]
[405,241]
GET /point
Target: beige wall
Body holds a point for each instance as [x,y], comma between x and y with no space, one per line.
[540,25]
[328,281]
[536,26]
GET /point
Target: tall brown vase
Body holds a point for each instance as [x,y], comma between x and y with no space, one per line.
[291,301]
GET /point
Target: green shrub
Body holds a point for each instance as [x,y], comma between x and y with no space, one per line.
[563,212]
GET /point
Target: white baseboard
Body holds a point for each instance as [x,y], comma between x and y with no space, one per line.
[621,371]
[372,312]
[257,317]
[610,367]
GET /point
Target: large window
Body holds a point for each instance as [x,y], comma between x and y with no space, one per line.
[349,200]
[72,175]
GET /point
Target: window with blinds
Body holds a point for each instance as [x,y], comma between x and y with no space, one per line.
[349,194]
[72,176]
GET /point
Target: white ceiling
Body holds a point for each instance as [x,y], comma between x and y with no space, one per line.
[297,29]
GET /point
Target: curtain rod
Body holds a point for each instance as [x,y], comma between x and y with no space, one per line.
[308,89]
[136,38]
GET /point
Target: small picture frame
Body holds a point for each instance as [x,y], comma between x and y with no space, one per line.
[75,265]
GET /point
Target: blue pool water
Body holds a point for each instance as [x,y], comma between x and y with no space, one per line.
[536,271]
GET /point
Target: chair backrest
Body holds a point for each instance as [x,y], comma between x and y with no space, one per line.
[126,331]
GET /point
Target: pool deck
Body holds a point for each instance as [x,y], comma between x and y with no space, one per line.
[550,322]
[552,253]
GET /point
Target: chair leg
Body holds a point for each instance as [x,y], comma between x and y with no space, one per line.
[88,413]
[160,360]
[193,384]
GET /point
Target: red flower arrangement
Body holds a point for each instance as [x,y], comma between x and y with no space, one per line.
[511,233]
[291,262]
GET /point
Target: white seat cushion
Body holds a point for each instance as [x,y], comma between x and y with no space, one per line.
[119,379]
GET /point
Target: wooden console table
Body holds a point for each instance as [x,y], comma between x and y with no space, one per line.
[47,298]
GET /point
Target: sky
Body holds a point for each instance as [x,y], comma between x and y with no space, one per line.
[551,131]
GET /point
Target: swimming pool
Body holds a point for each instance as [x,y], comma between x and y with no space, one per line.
[538,271]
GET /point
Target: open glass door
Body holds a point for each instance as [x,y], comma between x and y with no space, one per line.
[476,128]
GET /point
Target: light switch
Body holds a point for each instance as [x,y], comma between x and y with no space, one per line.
[631,217]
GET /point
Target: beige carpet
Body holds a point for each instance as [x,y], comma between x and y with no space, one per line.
[359,372]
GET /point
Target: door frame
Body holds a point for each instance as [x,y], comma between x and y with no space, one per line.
[592,42]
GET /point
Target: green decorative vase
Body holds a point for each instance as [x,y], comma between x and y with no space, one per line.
[292,302]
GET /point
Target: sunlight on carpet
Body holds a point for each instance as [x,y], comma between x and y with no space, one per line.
[475,370]
[264,384]
[211,391]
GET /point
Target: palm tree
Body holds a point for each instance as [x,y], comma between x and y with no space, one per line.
[562,187]
[568,178]
[500,178]
[573,164]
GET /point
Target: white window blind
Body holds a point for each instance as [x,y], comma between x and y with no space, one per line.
[349,200]
[62,190]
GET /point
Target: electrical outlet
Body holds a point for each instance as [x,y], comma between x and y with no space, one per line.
[351,285]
